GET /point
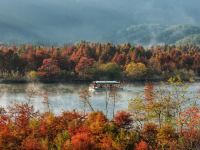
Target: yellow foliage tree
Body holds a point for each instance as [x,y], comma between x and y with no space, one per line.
[135,70]
[32,75]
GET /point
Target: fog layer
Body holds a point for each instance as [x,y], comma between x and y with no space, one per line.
[63,21]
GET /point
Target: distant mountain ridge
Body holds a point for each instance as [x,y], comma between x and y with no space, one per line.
[149,34]
[144,34]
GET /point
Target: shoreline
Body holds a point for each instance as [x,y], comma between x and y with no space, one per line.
[23,81]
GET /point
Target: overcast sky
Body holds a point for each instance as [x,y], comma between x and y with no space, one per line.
[60,21]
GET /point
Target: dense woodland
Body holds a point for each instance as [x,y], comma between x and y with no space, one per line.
[98,61]
[158,120]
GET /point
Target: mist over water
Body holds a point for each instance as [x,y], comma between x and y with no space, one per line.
[65,97]
[64,21]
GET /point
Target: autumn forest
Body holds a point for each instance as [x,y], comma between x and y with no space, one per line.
[86,61]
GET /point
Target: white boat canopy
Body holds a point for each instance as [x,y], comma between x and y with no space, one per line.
[106,82]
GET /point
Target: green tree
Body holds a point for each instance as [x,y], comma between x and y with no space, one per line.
[110,71]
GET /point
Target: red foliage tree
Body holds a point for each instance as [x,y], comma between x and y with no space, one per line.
[83,66]
[22,113]
[30,143]
[122,119]
[96,122]
[119,59]
[142,146]
[49,68]
[4,125]
[149,133]
[187,61]
[149,92]
[190,126]
[82,141]
[107,143]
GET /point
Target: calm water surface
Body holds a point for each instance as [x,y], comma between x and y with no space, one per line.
[64,97]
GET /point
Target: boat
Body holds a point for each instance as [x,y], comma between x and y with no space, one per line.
[104,85]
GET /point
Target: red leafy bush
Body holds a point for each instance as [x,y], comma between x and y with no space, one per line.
[30,144]
[122,119]
[82,141]
[142,146]
[149,133]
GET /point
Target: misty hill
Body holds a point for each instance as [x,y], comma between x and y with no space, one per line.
[191,40]
[69,21]
[148,34]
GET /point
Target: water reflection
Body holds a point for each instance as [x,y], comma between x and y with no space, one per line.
[63,97]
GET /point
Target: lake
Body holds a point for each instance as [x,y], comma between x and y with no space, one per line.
[64,97]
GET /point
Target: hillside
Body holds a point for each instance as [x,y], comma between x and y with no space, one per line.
[193,39]
[148,34]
